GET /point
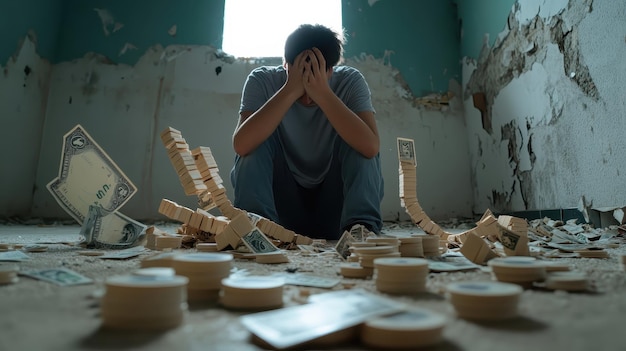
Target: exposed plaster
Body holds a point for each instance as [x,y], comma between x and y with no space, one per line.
[515,63]
[522,46]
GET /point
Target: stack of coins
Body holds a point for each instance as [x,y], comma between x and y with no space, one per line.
[522,270]
[411,329]
[401,275]
[206,247]
[411,246]
[272,257]
[8,274]
[205,271]
[568,281]
[430,244]
[367,255]
[144,302]
[484,300]
[353,256]
[383,240]
[155,272]
[355,270]
[623,261]
[252,293]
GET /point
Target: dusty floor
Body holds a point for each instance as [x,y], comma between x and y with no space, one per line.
[37,315]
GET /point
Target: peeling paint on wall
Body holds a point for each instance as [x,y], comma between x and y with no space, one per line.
[553,83]
[522,45]
[108,21]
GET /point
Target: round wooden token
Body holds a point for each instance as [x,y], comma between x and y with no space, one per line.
[355,270]
[272,258]
[569,281]
[411,329]
[484,300]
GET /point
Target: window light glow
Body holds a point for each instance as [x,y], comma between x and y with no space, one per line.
[259,28]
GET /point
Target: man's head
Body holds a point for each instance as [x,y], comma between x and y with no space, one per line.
[308,36]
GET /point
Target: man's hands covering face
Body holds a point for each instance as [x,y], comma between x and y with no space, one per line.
[315,77]
[308,74]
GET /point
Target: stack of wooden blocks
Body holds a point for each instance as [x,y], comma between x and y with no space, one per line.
[199,175]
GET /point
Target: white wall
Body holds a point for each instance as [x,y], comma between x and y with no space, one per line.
[555,87]
[23,92]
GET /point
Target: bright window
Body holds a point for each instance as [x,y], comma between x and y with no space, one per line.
[259,28]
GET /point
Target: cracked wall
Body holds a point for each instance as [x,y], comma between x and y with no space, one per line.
[552,84]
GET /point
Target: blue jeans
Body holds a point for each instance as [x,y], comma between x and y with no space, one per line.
[350,193]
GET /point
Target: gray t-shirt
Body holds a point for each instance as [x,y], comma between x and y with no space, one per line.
[306,135]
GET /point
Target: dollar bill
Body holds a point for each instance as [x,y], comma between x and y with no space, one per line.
[406,150]
[110,230]
[291,326]
[13,256]
[343,245]
[309,280]
[59,276]
[257,242]
[88,176]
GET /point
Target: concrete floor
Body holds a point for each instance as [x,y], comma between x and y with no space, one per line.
[37,315]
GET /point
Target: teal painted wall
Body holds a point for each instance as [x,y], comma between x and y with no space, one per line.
[17,17]
[424,36]
[146,23]
[480,17]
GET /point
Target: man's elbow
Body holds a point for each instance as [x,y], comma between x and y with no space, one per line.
[371,151]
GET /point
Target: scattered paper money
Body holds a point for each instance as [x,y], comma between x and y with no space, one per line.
[309,280]
[111,231]
[450,264]
[257,242]
[13,256]
[343,245]
[124,254]
[295,325]
[59,276]
[88,176]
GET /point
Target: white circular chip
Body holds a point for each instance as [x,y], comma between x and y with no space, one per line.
[484,289]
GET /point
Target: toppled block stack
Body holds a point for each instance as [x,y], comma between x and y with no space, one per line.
[199,175]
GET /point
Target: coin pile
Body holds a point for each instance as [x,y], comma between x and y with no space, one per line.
[205,271]
[411,246]
[144,302]
[522,270]
[410,329]
[484,300]
[401,275]
[367,255]
[355,270]
[430,244]
[353,256]
[8,274]
[568,281]
[252,293]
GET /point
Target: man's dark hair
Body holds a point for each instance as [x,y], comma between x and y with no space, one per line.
[308,36]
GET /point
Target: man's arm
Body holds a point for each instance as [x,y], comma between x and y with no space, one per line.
[357,129]
[254,127]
